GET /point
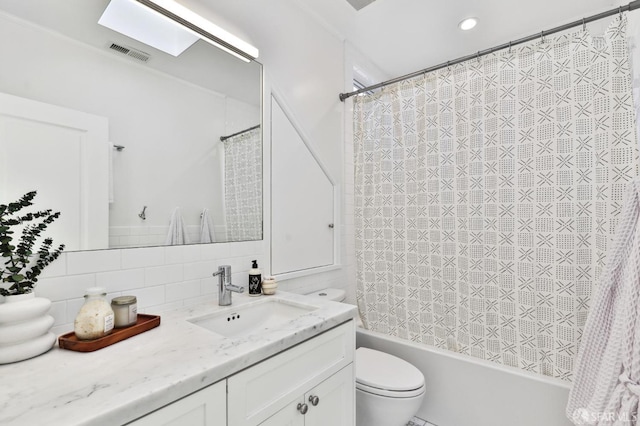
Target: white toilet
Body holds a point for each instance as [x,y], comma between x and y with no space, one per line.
[334,294]
[389,390]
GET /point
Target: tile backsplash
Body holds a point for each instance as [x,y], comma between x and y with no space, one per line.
[160,277]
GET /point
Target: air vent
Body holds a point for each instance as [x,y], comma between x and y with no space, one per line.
[130,52]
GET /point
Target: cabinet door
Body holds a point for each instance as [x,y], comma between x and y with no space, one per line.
[288,416]
[207,407]
[335,397]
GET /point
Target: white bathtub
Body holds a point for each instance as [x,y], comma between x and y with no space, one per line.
[464,391]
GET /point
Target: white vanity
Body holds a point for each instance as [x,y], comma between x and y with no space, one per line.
[295,372]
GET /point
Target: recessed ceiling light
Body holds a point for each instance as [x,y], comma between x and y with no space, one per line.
[467,24]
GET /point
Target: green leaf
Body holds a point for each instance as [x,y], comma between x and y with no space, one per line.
[16,278]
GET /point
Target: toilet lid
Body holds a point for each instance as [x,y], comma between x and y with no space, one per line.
[380,370]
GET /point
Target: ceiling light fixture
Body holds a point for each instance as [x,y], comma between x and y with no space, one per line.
[467,24]
[171,27]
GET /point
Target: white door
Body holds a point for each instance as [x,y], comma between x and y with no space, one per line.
[302,202]
[63,154]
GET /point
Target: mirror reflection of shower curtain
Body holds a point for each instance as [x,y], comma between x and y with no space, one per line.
[243,186]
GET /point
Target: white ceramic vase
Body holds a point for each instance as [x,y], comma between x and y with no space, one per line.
[24,327]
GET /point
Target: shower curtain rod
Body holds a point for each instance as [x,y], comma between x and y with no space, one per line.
[627,8]
[224,138]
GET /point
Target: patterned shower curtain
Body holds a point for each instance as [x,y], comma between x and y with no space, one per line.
[486,196]
[243,186]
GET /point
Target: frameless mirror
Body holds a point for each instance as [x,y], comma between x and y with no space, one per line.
[124,139]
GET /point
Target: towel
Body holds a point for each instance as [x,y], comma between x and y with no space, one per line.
[207,234]
[606,387]
[177,229]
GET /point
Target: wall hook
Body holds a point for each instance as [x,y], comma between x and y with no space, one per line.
[142,214]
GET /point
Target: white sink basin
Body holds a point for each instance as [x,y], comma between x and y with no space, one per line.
[251,318]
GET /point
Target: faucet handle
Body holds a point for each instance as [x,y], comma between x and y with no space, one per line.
[225,270]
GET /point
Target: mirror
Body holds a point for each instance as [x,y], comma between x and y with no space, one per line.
[74,91]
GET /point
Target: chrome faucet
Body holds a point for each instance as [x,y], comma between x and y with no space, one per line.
[224,285]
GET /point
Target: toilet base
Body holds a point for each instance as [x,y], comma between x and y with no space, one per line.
[375,410]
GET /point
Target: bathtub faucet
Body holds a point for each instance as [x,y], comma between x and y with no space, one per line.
[224,285]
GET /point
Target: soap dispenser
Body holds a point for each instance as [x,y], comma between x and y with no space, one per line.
[255,280]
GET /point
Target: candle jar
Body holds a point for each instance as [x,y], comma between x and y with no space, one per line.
[125,309]
[269,285]
[95,318]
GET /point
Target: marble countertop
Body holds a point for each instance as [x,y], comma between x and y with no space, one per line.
[124,381]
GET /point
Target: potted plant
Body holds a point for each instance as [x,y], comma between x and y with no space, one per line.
[24,323]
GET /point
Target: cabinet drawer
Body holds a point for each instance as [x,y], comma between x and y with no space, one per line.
[260,391]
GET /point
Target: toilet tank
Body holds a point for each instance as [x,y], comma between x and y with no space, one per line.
[333,294]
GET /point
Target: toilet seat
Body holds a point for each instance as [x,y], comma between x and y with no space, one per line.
[383,374]
[390,394]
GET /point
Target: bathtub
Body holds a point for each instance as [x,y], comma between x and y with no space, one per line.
[465,391]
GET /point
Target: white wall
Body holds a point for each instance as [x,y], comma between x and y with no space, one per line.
[304,60]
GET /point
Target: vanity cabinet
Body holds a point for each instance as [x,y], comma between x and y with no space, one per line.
[275,392]
[310,384]
[207,407]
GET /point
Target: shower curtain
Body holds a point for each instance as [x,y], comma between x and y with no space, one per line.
[486,196]
[243,186]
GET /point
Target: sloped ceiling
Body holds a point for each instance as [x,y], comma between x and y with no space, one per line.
[403,36]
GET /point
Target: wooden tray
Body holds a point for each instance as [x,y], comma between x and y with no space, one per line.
[144,323]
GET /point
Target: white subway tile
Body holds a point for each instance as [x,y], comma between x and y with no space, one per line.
[213,251]
[73,307]
[159,230]
[120,280]
[163,275]
[239,249]
[139,230]
[181,291]
[57,268]
[149,296]
[84,262]
[118,231]
[142,257]
[209,285]
[59,312]
[200,299]
[199,270]
[158,309]
[241,279]
[182,254]
[61,329]
[66,287]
